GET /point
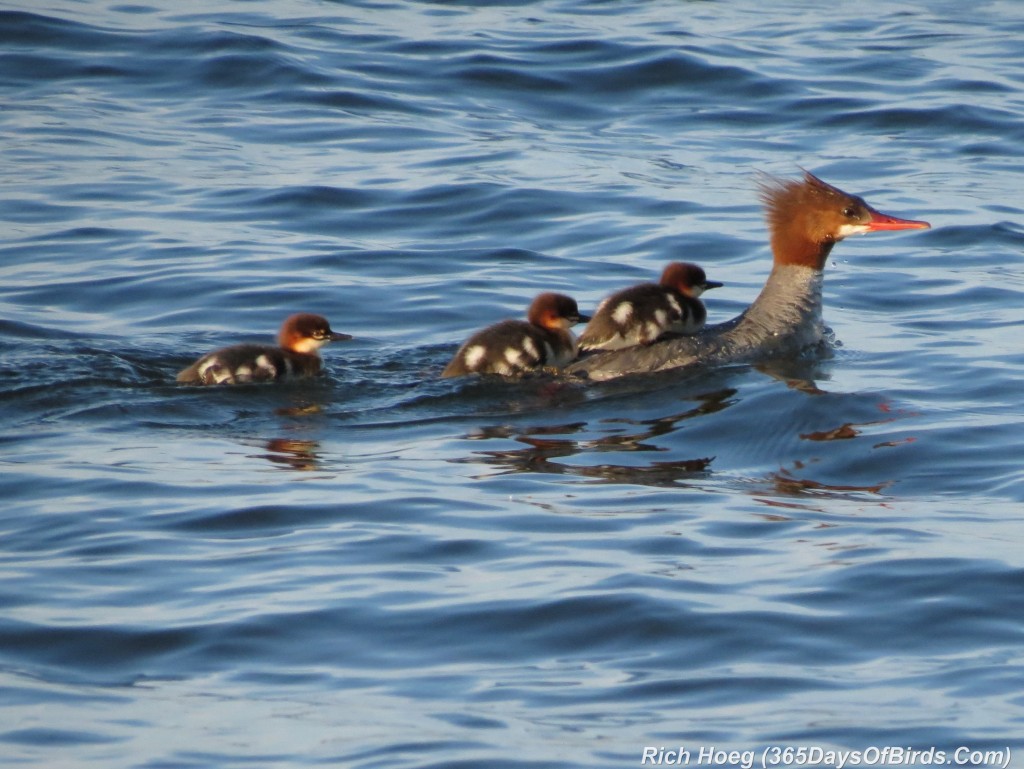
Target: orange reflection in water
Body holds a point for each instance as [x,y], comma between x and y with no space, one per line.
[293,453]
[785,483]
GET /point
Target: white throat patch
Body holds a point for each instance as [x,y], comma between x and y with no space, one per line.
[851,229]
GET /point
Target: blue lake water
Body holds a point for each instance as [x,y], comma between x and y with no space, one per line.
[380,568]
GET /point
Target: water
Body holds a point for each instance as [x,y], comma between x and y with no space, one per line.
[384,569]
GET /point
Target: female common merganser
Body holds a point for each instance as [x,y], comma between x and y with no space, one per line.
[640,314]
[296,355]
[515,346]
[806,218]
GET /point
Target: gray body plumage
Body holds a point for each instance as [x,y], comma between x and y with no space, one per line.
[785,318]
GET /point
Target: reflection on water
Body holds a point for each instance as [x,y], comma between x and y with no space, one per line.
[294,454]
[541,449]
[785,483]
[843,432]
[709,403]
[804,372]
[570,448]
[299,411]
[540,453]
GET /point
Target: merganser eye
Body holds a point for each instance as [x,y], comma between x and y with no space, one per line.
[850,212]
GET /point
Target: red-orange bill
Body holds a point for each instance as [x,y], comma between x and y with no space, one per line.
[880,221]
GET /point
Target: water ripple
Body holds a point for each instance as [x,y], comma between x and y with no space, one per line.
[381,567]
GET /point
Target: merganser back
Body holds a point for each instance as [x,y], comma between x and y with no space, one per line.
[806,218]
[300,337]
[641,314]
[512,347]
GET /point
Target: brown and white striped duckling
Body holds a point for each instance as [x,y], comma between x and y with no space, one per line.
[640,314]
[513,347]
[300,337]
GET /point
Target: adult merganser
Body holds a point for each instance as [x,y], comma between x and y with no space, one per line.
[296,355]
[640,314]
[513,347]
[806,218]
